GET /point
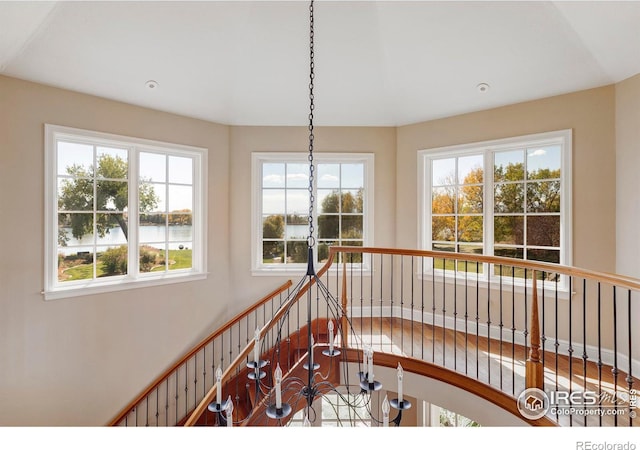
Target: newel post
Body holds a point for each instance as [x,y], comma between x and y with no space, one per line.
[344,324]
[534,370]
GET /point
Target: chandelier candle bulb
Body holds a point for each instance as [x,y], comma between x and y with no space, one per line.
[370,365]
[219,385]
[399,383]
[256,348]
[385,412]
[229,413]
[278,376]
[330,326]
[311,353]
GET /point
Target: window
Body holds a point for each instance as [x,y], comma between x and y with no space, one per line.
[342,207]
[121,212]
[509,198]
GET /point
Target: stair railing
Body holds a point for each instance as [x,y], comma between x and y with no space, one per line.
[174,394]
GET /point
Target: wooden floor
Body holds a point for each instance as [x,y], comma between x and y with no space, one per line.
[501,365]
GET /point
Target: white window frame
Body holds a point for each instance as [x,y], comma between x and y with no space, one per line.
[53,289]
[258,159]
[487,148]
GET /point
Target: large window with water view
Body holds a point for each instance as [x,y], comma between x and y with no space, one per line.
[341,207]
[122,210]
[508,198]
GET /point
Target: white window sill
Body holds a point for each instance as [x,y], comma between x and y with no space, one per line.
[80,289]
[300,271]
[518,286]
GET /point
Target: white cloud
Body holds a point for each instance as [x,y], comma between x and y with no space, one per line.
[538,152]
[297,176]
[273,178]
[329,177]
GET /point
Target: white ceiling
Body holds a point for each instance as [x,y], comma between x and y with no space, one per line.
[378,63]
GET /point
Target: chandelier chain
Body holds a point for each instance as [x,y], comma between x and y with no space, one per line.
[311,240]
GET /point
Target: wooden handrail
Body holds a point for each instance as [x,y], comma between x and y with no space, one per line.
[618,280]
[196,349]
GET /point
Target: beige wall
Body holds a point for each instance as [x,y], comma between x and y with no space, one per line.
[627,179]
[78,361]
[591,116]
[245,140]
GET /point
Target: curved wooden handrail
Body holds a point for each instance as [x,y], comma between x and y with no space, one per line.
[196,349]
[618,280]
[430,370]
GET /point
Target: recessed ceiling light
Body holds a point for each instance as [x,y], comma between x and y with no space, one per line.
[482,87]
[151,84]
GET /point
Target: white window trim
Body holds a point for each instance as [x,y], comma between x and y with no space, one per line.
[562,137]
[55,290]
[257,159]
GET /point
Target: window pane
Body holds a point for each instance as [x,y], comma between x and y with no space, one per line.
[352,201]
[470,169]
[151,258]
[180,198]
[508,166]
[552,256]
[180,258]
[544,162]
[543,230]
[443,247]
[328,227]
[112,195]
[508,230]
[443,200]
[543,196]
[297,252]
[75,264]
[75,159]
[273,201]
[353,176]
[180,170]
[470,229]
[272,252]
[351,227]
[153,197]
[179,233]
[112,163]
[328,200]
[183,218]
[328,175]
[298,201]
[152,228]
[109,229]
[112,261]
[323,250]
[273,175]
[297,231]
[509,252]
[470,199]
[75,194]
[297,175]
[443,171]
[75,229]
[273,227]
[153,167]
[509,198]
[443,228]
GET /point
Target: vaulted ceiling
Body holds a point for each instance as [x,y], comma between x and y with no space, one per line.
[377,63]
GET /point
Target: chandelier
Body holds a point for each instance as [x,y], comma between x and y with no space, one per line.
[302,391]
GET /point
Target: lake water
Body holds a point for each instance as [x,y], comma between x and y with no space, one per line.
[155,234]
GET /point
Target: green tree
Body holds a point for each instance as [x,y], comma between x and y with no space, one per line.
[273,227]
[111,194]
